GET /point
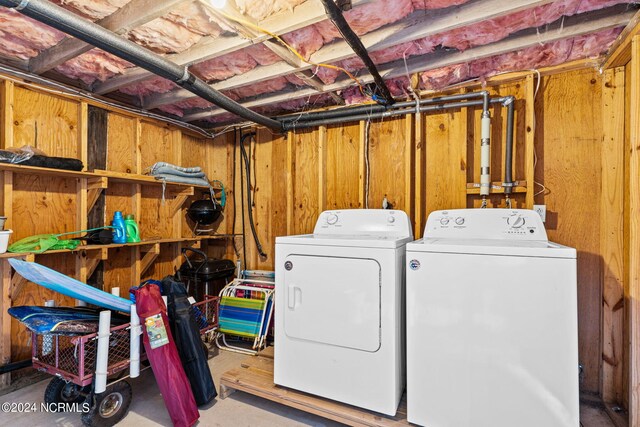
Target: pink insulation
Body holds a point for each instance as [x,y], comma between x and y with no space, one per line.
[179,108]
[368,17]
[148,87]
[272,85]
[93,65]
[300,104]
[260,9]
[545,55]
[400,51]
[23,37]
[92,9]
[306,41]
[497,29]
[178,30]
[172,109]
[295,80]
[362,19]
[225,66]
[474,35]
[262,55]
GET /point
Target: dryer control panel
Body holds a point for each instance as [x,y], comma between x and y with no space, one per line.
[381,222]
[510,224]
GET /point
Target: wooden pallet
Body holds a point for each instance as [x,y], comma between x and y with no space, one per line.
[255,376]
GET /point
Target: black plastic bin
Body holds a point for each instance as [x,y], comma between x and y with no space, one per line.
[204,276]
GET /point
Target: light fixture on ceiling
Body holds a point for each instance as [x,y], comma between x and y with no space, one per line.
[218,4]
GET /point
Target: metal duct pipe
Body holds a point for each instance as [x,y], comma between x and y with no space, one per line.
[377,108]
[335,15]
[70,23]
[508,155]
[385,114]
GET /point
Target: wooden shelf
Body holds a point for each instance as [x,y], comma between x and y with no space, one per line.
[144,179]
[111,176]
[10,167]
[496,188]
[116,245]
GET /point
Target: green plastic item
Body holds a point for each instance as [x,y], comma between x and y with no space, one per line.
[46,242]
[131,227]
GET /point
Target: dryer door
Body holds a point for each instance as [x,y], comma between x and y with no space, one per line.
[333,300]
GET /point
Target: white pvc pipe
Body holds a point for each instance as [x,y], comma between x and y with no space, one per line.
[485,157]
[80,303]
[115,291]
[102,357]
[47,340]
[134,346]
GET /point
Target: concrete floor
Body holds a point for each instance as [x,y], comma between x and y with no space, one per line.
[238,410]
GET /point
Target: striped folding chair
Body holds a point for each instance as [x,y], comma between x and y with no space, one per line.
[245,311]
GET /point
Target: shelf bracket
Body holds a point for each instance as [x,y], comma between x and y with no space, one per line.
[17,281]
[151,252]
[94,188]
[89,261]
[180,198]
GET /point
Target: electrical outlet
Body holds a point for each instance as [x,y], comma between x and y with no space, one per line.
[542,211]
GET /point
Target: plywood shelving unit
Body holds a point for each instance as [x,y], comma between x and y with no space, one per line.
[117,149]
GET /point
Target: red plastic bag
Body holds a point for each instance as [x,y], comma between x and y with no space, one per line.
[163,356]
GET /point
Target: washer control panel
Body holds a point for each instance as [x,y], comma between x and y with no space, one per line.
[514,224]
[365,222]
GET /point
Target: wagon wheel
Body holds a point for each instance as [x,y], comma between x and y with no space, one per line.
[110,407]
[61,391]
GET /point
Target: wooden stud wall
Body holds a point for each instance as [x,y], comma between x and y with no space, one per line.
[419,163]
[424,163]
[633,231]
[41,204]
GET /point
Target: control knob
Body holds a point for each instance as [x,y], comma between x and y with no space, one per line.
[391,220]
[332,219]
[460,220]
[444,221]
[516,221]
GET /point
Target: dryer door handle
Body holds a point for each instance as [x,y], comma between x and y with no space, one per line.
[292,292]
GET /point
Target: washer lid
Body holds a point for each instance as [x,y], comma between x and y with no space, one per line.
[527,248]
[345,240]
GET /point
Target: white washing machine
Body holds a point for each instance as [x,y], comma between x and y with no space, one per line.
[339,308]
[491,323]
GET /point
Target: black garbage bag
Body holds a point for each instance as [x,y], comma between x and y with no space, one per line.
[187,337]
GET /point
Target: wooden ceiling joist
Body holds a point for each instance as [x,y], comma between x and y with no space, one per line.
[306,14]
[620,52]
[130,16]
[414,27]
[570,27]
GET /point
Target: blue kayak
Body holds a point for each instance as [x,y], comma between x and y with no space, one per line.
[58,282]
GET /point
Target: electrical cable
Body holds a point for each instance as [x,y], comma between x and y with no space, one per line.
[247,165]
[246,23]
[367,126]
[543,189]
[233,189]
[244,236]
